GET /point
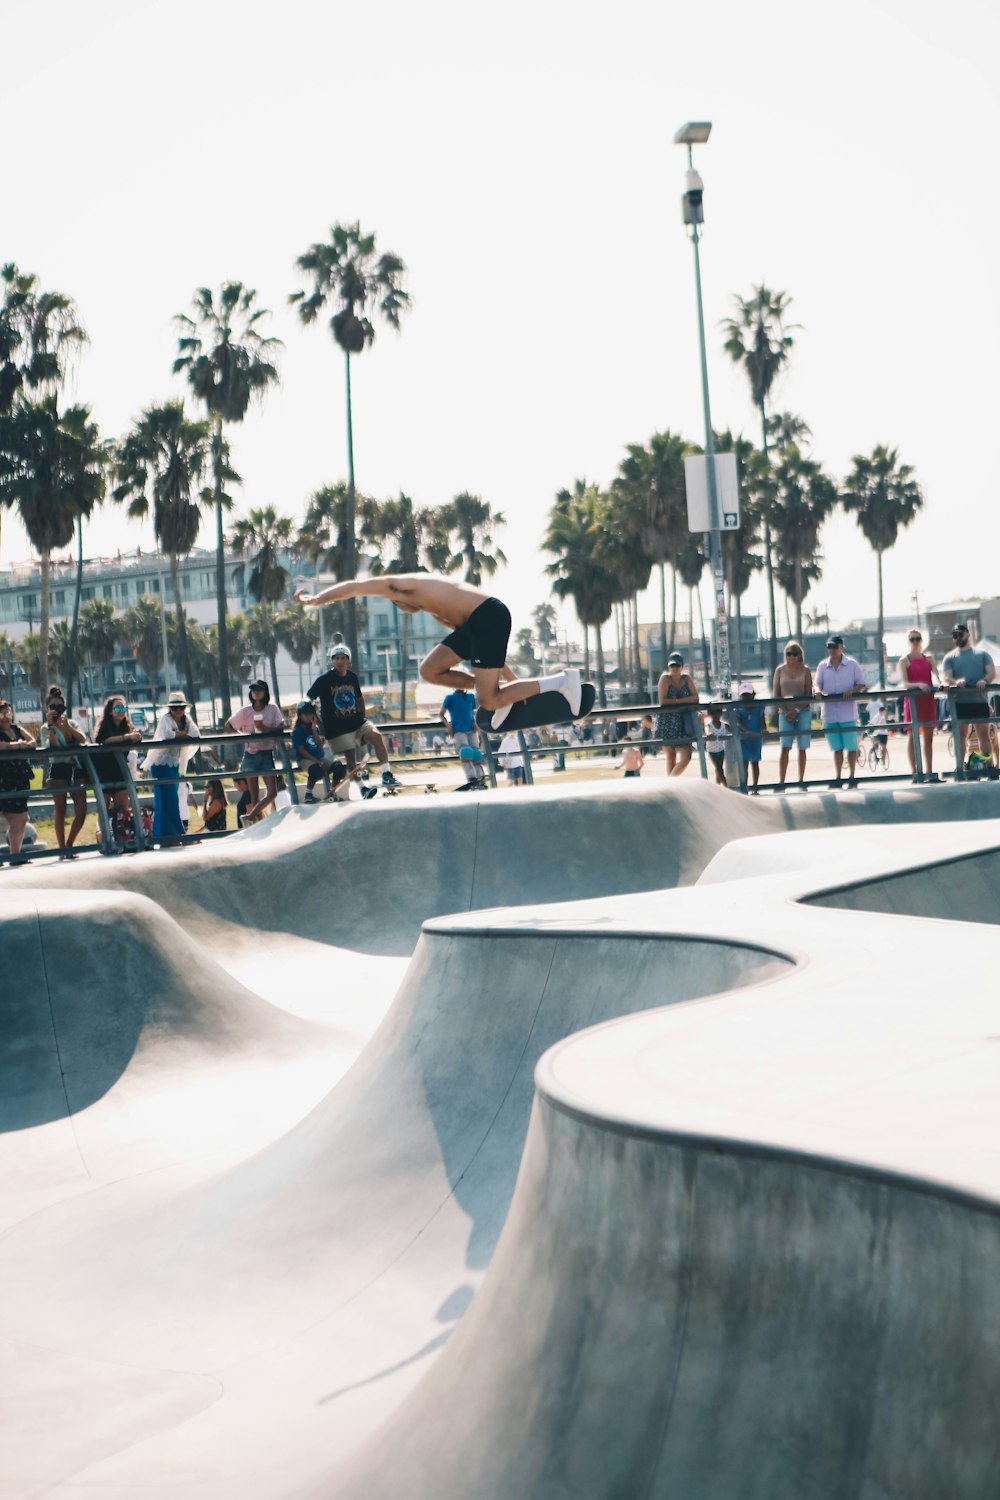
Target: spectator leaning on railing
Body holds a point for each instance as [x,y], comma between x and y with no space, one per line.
[15,780]
[972,670]
[837,680]
[174,743]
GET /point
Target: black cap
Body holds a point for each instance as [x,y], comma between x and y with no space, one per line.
[675,659]
[960,627]
[834,640]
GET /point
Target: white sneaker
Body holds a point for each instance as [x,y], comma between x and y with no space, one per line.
[573,689]
[499,714]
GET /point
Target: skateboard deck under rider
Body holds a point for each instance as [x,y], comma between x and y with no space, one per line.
[543,708]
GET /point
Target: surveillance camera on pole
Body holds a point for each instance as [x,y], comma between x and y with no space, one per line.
[691,202]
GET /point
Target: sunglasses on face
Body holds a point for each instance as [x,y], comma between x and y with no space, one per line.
[118,708]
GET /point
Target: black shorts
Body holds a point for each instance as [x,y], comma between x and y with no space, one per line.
[482,640]
[973,711]
[63,773]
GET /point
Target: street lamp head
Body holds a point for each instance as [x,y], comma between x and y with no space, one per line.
[694,133]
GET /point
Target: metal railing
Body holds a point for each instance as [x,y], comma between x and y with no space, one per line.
[139,787]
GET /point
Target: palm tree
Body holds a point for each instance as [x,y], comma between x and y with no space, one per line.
[262,638]
[141,629]
[298,631]
[323,539]
[349,276]
[785,427]
[525,654]
[262,536]
[159,467]
[39,330]
[690,564]
[28,652]
[804,497]
[544,617]
[100,631]
[623,553]
[228,363]
[759,339]
[884,496]
[56,474]
[575,533]
[412,535]
[651,479]
[740,558]
[470,523]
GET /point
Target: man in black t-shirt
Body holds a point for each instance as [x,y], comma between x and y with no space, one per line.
[342,711]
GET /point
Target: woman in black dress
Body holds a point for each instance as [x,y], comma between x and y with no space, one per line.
[676,695]
[116,729]
[15,780]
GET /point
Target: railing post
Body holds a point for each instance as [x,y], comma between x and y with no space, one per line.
[100,800]
[699,740]
[289,773]
[918,755]
[487,749]
[956,736]
[526,757]
[729,715]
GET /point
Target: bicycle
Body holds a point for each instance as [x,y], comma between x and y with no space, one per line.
[872,752]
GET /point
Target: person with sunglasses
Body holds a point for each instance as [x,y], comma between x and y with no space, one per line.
[917,670]
[116,729]
[793,680]
[970,671]
[838,678]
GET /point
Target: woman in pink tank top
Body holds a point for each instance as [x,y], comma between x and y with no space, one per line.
[916,670]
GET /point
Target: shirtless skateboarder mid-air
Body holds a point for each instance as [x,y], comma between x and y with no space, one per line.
[479,628]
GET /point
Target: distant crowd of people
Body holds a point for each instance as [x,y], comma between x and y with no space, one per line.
[835,682]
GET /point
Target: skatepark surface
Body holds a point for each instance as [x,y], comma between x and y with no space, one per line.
[618,1140]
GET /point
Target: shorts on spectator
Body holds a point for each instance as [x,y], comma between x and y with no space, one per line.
[62,774]
[717,757]
[257,763]
[363,736]
[800,731]
[842,739]
[515,775]
[971,711]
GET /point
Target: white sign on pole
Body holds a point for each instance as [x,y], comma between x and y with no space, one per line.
[726,488]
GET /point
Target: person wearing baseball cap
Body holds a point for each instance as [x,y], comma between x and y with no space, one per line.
[167,760]
[837,680]
[750,722]
[969,671]
[344,716]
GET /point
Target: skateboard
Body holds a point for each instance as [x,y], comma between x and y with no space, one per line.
[394,791]
[543,708]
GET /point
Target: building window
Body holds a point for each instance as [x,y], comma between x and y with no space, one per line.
[87,593]
[154,585]
[187,583]
[107,590]
[60,600]
[140,586]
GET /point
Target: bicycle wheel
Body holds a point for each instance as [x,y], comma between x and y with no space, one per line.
[885,758]
[862,756]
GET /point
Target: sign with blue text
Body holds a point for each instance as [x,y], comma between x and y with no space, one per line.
[726,488]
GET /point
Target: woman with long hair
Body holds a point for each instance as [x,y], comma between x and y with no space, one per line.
[65,777]
[116,729]
[793,679]
[916,671]
[15,780]
[174,743]
[213,807]
[259,715]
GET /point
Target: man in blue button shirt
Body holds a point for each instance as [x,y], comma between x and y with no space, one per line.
[459,714]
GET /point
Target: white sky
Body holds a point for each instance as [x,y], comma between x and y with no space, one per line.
[519,159]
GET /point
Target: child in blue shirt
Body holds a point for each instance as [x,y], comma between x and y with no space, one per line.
[750,718]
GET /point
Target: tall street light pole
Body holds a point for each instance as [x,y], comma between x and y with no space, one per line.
[697,132]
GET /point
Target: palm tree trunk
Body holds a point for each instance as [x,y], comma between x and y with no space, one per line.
[404,658]
[798,599]
[220,579]
[74,634]
[602,695]
[43,621]
[881,624]
[663,613]
[673,614]
[621,642]
[351,545]
[586,653]
[182,639]
[639,685]
[772,615]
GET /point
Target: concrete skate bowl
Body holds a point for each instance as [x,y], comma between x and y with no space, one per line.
[236,1326]
[965,889]
[355,1241]
[365,877]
